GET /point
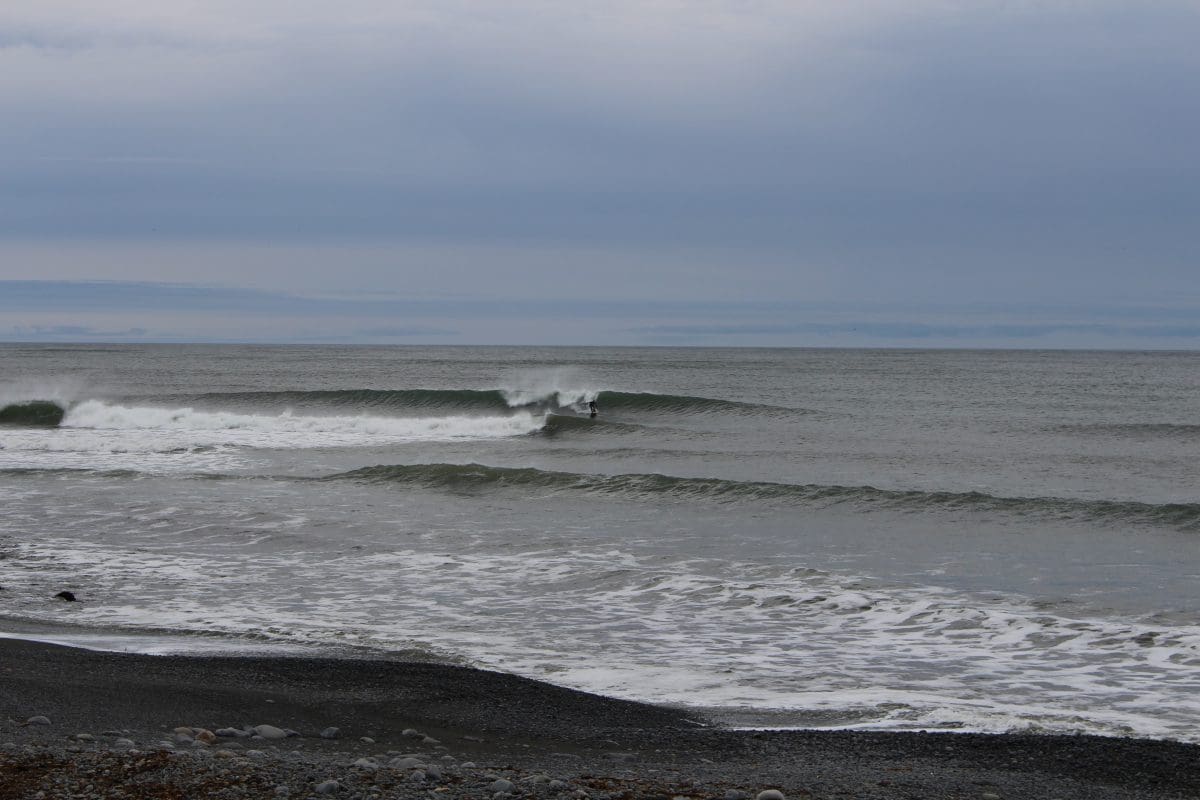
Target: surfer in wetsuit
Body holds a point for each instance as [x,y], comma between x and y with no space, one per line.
[592,412]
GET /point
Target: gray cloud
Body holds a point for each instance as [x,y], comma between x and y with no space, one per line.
[799,151]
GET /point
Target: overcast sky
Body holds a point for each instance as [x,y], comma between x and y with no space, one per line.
[910,173]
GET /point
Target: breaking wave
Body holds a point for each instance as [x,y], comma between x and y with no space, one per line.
[481,401]
[479,478]
[288,429]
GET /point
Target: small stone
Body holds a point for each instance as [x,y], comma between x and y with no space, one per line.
[206,736]
[412,733]
[366,740]
[224,754]
[65,595]
[769,794]
[269,732]
[327,787]
[735,794]
[406,762]
[501,785]
[989,796]
[467,765]
[39,720]
[429,740]
[124,744]
[185,729]
[330,733]
[255,754]
[556,786]
[232,733]
[366,763]
[418,776]
[434,772]
[84,737]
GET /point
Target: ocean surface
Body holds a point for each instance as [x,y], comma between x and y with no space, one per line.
[936,540]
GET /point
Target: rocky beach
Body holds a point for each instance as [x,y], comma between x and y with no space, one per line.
[83,724]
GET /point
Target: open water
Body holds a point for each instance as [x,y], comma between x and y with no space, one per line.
[938,540]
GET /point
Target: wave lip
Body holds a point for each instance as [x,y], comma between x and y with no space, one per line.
[479,477]
[33,413]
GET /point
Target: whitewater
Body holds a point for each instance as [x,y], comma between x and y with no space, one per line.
[781,538]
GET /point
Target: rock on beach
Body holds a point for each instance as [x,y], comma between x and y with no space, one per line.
[269,732]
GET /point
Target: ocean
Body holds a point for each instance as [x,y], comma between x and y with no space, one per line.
[785,538]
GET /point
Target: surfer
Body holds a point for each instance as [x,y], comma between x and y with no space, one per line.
[592,409]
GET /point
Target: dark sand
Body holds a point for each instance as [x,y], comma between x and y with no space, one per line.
[519,730]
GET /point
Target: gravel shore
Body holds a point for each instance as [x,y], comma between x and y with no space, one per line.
[83,724]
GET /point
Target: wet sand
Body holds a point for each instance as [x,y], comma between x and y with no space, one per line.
[113,719]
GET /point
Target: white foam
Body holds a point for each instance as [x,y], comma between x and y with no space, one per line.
[290,430]
[741,638]
[99,435]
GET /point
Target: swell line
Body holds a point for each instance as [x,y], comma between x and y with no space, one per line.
[478,478]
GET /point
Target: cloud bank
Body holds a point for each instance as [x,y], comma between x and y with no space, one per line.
[874,152]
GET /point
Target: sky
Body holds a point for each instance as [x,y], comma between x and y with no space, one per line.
[994,173]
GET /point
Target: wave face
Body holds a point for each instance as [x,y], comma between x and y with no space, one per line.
[487,401]
[38,413]
[377,400]
[478,477]
[1136,430]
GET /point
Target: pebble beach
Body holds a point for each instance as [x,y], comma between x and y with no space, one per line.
[77,723]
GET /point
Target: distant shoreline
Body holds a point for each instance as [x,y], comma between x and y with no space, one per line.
[898,348]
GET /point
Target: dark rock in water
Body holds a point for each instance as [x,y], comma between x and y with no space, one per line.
[42,413]
[68,596]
